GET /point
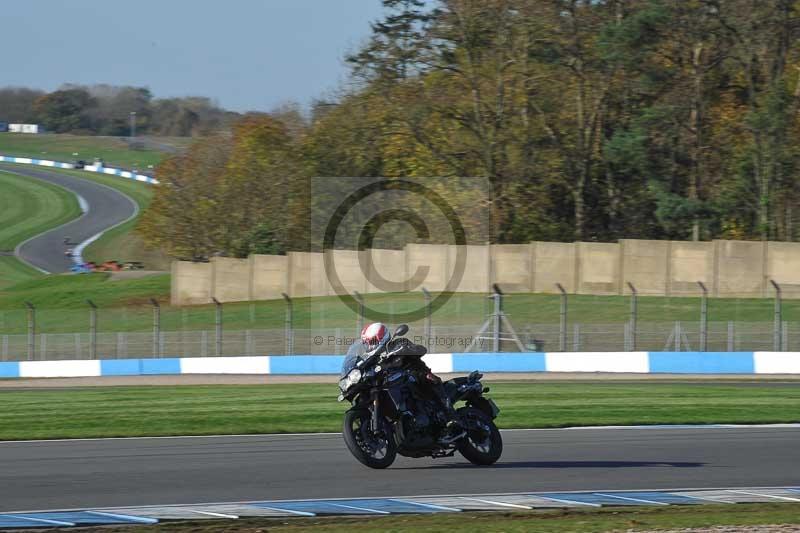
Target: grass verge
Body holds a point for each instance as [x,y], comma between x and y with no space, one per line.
[299,408]
[115,151]
[28,207]
[549,521]
[13,271]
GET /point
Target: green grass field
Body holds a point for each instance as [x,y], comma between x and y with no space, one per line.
[292,408]
[13,271]
[27,208]
[737,517]
[62,147]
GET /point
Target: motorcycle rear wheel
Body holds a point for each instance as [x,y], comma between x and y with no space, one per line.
[481,446]
[372,450]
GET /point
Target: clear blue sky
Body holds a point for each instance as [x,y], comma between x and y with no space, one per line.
[246,54]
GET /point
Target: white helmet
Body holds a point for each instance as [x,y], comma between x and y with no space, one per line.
[375,335]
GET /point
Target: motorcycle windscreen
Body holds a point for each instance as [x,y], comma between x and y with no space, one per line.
[355,353]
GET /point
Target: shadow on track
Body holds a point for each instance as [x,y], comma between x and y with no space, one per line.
[567,464]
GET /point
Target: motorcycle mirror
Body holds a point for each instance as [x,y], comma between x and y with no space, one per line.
[401,330]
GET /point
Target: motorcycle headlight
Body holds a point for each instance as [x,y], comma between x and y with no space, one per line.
[350,379]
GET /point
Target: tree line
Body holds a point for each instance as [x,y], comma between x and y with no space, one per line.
[592,120]
[106,110]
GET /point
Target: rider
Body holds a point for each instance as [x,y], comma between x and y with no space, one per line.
[377,335]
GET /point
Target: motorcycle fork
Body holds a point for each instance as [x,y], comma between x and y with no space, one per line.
[375,412]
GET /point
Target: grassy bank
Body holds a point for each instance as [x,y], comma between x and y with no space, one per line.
[115,151]
[27,208]
[239,409]
[546,521]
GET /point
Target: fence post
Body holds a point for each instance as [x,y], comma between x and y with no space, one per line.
[218,325]
[92,329]
[731,339]
[777,340]
[576,338]
[289,324]
[31,331]
[360,300]
[428,318]
[562,328]
[156,327]
[634,315]
[703,318]
[497,300]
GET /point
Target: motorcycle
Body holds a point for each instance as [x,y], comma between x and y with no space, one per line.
[394,413]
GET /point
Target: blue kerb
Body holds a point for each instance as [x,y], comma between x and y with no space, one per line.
[81,517]
[306,364]
[318,507]
[499,362]
[8,521]
[121,367]
[390,505]
[660,497]
[161,366]
[702,362]
[9,370]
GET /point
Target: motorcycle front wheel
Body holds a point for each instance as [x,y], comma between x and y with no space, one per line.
[371,449]
[483,444]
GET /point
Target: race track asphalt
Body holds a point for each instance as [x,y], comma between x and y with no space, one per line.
[107,208]
[124,472]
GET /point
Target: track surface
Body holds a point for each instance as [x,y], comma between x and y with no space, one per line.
[124,472]
[107,208]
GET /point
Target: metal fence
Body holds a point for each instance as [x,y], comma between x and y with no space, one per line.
[474,322]
[650,336]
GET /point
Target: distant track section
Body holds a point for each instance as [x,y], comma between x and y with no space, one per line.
[104,208]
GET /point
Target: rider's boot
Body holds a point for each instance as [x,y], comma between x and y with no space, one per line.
[453,428]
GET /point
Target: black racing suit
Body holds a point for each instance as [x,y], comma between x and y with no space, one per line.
[412,354]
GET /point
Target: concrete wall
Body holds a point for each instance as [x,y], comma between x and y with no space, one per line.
[554,262]
[307,275]
[427,265]
[690,262]
[230,279]
[270,276]
[645,264]
[658,268]
[474,264]
[739,268]
[783,260]
[386,272]
[191,283]
[513,266]
[598,268]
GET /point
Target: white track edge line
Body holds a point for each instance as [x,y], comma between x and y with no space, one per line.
[499,504]
[628,498]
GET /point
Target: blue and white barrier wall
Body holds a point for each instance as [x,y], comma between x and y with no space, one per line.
[87,168]
[120,173]
[619,362]
[40,162]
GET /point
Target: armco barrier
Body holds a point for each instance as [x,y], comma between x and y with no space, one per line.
[594,362]
[87,168]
